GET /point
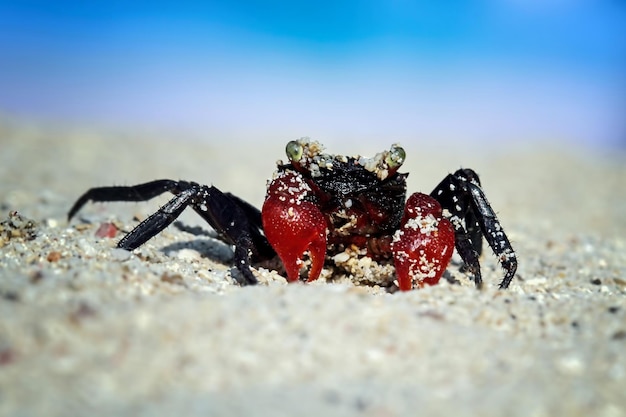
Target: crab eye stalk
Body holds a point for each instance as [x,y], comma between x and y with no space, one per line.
[294,151]
[396,156]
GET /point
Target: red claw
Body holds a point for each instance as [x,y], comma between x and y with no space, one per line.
[423,245]
[294,225]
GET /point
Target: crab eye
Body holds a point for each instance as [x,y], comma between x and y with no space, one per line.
[396,156]
[294,151]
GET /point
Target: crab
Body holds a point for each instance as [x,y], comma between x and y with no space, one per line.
[319,206]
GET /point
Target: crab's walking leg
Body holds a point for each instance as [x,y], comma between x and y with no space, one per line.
[424,243]
[141,192]
[460,193]
[293,224]
[156,222]
[236,221]
[494,235]
[468,245]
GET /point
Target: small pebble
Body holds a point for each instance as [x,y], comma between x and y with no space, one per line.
[119,254]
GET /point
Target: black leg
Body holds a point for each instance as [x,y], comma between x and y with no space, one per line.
[473,218]
[494,234]
[446,193]
[158,221]
[141,192]
[237,222]
[473,231]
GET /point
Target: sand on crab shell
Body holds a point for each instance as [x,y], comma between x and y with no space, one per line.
[86,328]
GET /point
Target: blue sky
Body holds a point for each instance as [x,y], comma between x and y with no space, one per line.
[385,70]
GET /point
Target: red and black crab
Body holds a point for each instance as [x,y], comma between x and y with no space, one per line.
[318,205]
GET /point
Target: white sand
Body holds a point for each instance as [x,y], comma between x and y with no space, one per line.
[88,329]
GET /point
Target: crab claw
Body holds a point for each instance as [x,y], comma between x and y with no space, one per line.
[294,225]
[423,245]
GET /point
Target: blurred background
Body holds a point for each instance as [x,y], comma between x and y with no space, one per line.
[495,72]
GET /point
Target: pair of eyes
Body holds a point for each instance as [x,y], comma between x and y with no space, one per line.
[394,158]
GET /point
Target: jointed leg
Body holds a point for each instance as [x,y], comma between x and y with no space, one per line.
[472,218]
[494,234]
[141,192]
[237,222]
[468,245]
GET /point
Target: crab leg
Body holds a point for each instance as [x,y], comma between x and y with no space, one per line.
[423,245]
[293,224]
[461,195]
[236,222]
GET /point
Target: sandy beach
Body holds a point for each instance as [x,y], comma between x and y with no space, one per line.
[89,329]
